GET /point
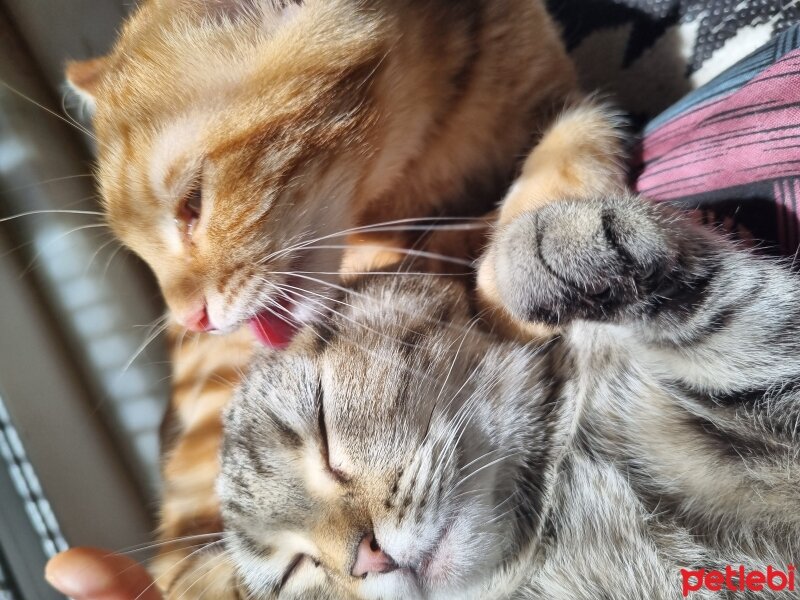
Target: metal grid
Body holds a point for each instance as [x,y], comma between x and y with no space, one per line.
[26,484]
[8,589]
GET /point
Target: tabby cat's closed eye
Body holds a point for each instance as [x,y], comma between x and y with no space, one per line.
[337,474]
[297,562]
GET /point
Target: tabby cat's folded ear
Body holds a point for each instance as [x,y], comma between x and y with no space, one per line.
[85,76]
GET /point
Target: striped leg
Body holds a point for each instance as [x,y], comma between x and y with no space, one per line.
[579,157]
[709,333]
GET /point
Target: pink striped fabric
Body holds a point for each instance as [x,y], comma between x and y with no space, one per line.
[752,134]
[731,149]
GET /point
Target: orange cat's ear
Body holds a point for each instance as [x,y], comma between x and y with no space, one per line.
[85,76]
[251,4]
[236,8]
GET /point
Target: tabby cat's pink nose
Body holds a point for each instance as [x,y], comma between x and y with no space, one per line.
[197,320]
[371,559]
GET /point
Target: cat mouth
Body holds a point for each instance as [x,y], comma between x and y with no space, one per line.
[276,327]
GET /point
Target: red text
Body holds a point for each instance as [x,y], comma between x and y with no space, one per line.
[738,580]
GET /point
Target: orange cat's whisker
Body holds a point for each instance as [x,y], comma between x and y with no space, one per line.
[323,313]
[45,182]
[303,294]
[358,294]
[376,356]
[360,273]
[154,323]
[57,239]
[397,225]
[69,122]
[19,246]
[149,340]
[399,250]
[53,211]
[111,258]
[96,253]
[72,119]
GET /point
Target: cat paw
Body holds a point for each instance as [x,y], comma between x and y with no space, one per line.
[585,259]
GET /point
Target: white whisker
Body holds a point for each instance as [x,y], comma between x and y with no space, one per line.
[54,211]
[184,559]
[77,126]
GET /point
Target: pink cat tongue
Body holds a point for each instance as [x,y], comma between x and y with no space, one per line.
[273,331]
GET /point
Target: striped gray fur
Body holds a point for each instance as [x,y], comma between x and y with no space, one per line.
[657,432]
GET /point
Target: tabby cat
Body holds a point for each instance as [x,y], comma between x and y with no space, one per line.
[398,456]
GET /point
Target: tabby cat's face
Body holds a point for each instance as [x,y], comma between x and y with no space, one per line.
[230,137]
[382,461]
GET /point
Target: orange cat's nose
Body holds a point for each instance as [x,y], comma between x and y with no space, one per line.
[196,321]
[371,559]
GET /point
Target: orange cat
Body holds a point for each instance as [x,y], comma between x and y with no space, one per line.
[240,139]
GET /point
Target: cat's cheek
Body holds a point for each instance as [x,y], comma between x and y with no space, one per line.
[463,553]
[397,585]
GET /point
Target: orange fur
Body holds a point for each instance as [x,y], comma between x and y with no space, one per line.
[340,114]
[206,369]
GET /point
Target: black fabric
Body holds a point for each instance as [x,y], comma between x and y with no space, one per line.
[646,54]
[718,21]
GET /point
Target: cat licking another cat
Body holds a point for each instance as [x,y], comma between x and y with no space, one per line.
[399,448]
[244,146]
[241,141]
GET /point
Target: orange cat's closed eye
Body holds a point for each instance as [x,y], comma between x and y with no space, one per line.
[190,209]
